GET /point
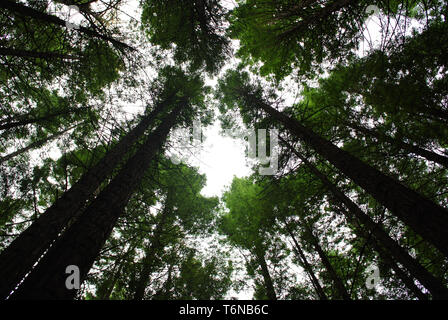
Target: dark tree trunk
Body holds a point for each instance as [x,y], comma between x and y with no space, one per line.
[309,270]
[384,255]
[22,10]
[421,214]
[19,257]
[434,285]
[147,263]
[81,244]
[340,288]
[269,285]
[407,280]
[429,155]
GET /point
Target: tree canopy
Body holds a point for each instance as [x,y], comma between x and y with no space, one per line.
[357,94]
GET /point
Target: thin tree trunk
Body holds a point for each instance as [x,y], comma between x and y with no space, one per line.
[384,255]
[19,257]
[35,144]
[342,291]
[434,285]
[429,155]
[421,214]
[82,242]
[148,260]
[26,11]
[28,120]
[270,291]
[105,295]
[408,281]
[317,287]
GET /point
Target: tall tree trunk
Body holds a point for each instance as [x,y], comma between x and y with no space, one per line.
[429,155]
[383,253]
[148,260]
[81,244]
[19,257]
[407,280]
[309,270]
[22,10]
[340,288]
[269,285]
[35,144]
[434,285]
[361,232]
[421,214]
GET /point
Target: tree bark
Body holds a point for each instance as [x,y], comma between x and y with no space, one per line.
[19,257]
[407,280]
[270,291]
[81,244]
[421,214]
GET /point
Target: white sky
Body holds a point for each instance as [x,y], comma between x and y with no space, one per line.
[220,160]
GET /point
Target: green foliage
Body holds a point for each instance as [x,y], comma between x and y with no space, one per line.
[193,27]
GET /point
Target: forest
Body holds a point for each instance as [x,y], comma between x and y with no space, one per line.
[348,98]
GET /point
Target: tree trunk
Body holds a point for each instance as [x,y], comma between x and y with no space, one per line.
[429,155]
[408,281]
[270,291]
[26,11]
[19,257]
[434,285]
[147,263]
[81,244]
[27,119]
[319,290]
[384,255]
[340,288]
[424,216]
[35,144]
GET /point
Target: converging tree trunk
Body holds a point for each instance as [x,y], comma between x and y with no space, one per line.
[421,214]
[301,255]
[340,288]
[81,244]
[434,285]
[19,257]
